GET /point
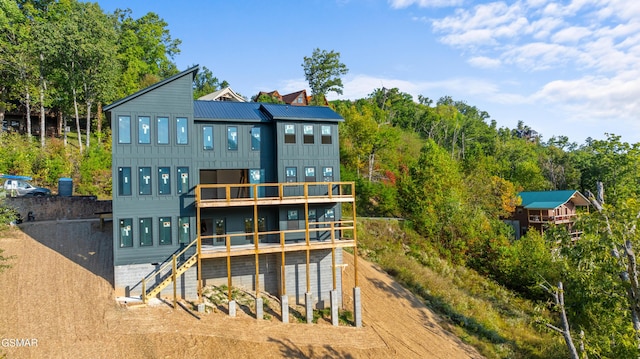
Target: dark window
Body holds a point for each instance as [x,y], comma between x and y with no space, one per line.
[326,134]
[146,232]
[291,174]
[220,227]
[183,180]
[182,134]
[309,174]
[307,131]
[255,139]
[124,129]
[164,230]
[124,181]
[312,214]
[164,180]
[163,130]
[185,232]
[207,138]
[144,130]
[144,180]
[292,215]
[327,174]
[232,138]
[289,134]
[126,237]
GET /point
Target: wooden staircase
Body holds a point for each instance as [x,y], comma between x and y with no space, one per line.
[171,276]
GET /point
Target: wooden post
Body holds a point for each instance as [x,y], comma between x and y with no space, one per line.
[256,239]
[175,284]
[306,234]
[228,240]
[355,236]
[199,244]
[282,267]
[333,257]
[144,290]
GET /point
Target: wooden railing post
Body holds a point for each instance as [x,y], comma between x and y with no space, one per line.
[144,290]
[175,284]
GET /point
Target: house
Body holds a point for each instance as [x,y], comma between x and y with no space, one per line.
[241,194]
[298,98]
[225,94]
[542,208]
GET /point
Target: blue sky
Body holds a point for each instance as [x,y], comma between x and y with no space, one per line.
[563,67]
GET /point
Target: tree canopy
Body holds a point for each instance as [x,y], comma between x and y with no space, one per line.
[322,70]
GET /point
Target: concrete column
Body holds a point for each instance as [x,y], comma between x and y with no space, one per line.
[308,303]
[284,308]
[232,308]
[259,308]
[357,307]
[334,307]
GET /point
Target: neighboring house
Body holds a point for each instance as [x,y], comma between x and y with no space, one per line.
[225,94]
[235,193]
[298,98]
[542,208]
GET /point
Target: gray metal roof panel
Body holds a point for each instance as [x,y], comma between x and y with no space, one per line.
[301,113]
[228,111]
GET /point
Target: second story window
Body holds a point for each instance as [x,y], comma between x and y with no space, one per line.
[144,180]
[124,129]
[207,138]
[163,130]
[182,134]
[144,130]
[183,180]
[124,181]
[326,134]
[291,174]
[308,134]
[232,138]
[289,134]
[164,180]
[255,139]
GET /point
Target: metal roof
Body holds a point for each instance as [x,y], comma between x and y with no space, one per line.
[551,199]
[228,111]
[193,71]
[301,113]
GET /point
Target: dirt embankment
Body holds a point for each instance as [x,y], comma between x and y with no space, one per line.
[58,298]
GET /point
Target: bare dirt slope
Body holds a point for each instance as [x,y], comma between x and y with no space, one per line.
[59,293]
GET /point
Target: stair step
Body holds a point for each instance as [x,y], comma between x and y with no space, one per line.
[179,271]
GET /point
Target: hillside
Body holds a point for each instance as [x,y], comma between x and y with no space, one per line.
[59,292]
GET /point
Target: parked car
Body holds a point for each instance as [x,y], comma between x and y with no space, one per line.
[19,188]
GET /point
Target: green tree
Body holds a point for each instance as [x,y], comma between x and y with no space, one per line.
[145,48]
[205,83]
[322,71]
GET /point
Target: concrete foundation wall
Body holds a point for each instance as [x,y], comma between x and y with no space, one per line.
[320,276]
[128,281]
[57,208]
[243,273]
[128,278]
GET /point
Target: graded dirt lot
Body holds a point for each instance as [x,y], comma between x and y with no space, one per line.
[59,296]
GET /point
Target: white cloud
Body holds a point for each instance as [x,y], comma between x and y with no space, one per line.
[571,34]
[484,62]
[401,4]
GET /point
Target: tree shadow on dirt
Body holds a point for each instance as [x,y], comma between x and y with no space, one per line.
[81,241]
[290,350]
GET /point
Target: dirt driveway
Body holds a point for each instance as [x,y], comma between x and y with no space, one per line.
[58,298]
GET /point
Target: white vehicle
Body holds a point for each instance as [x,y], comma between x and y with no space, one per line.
[20,188]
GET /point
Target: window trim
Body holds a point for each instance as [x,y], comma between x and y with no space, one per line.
[123,222]
[256,130]
[161,234]
[161,125]
[308,138]
[142,244]
[230,130]
[164,170]
[289,137]
[185,131]
[204,138]
[127,131]
[141,128]
[294,176]
[124,182]
[326,138]
[141,178]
